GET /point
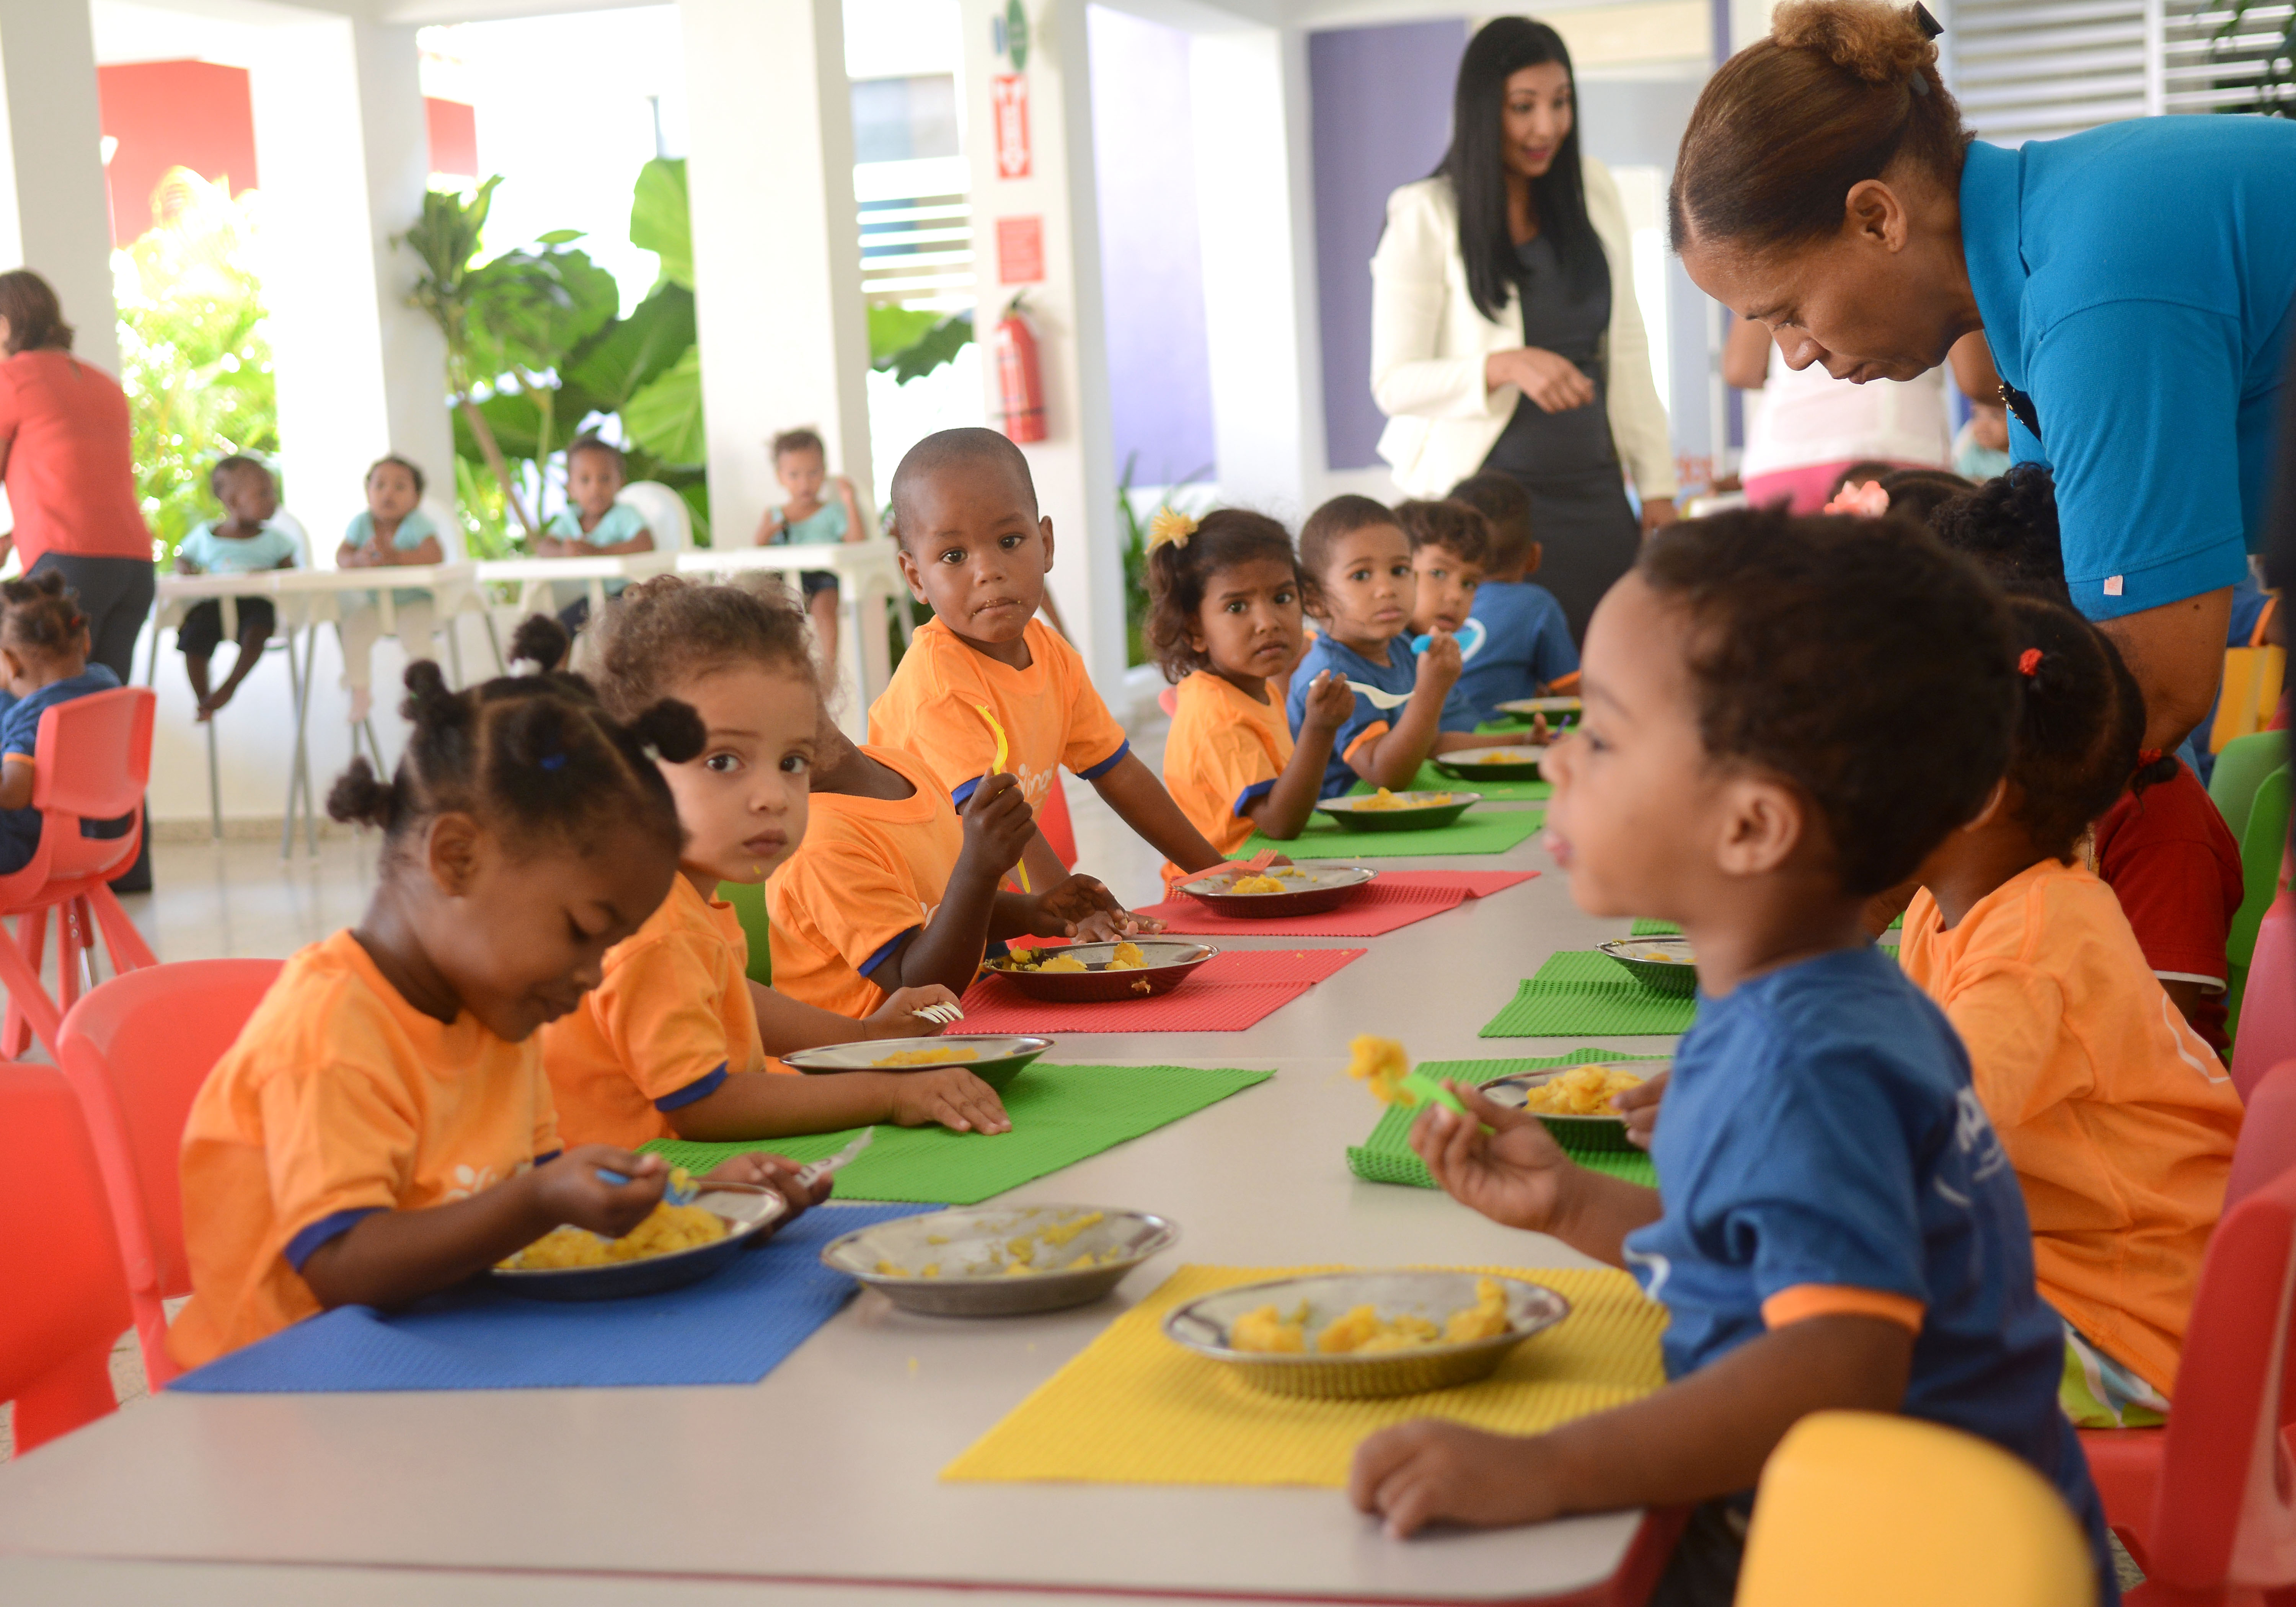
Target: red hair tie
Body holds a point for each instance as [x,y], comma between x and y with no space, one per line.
[2148,758]
[2029,662]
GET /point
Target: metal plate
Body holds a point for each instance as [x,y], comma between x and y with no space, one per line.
[996,1058]
[1607,1133]
[1559,711]
[747,1216]
[1168,963]
[1677,974]
[1203,1326]
[1308,890]
[1518,761]
[1413,815]
[980,1239]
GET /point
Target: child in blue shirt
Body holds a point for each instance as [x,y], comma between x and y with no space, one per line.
[44,654]
[246,543]
[1357,561]
[810,518]
[1836,1224]
[592,524]
[1526,652]
[392,529]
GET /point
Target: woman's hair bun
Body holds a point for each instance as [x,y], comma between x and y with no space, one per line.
[358,799]
[671,729]
[1867,38]
[540,641]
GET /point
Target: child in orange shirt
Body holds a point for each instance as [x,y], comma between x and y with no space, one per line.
[382,1127]
[674,1041]
[974,546]
[2118,1119]
[1225,625]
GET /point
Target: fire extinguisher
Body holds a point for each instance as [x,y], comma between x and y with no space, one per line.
[1020,378]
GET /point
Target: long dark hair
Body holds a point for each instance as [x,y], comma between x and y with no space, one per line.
[34,319]
[1478,170]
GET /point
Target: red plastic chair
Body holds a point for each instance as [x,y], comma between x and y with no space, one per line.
[136,1052]
[1053,821]
[1168,701]
[2266,1034]
[65,1303]
[93,759]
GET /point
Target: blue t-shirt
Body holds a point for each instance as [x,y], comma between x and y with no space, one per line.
[1527,644]
[2134,282]
[1820,1130]
[215,555]
[825,524]
[1326,652]
[20,729]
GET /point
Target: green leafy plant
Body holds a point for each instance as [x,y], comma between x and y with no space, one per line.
[2275,87]
[910,343]
[1178,497]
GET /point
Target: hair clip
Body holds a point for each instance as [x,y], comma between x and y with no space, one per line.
[1930,25]
[1167,527]
[2029,662]
[2146,757]
[552,761]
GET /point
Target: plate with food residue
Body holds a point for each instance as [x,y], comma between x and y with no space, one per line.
[1662,965]
[1101,972]
[1001,1260]
[1553,711]
[1281,890]
[995,1058]
[1386,811]
[1573,1103]
[1518,762]
[677,1245]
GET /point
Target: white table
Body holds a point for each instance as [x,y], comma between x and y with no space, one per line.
[826,1472]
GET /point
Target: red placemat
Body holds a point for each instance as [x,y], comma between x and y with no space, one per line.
[1397,899]
[1227,993]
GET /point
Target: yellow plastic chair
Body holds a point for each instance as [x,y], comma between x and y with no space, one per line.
[1891,1512]
[2252,679]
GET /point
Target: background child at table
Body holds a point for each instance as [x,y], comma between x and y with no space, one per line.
[808,519]
[2118,1119]
[245,542]
[393,529]
[973,546]
[1361,587]
[1225,625]
[1835,1225]
[592,524]
[44,655]
[1526,650]
[382,1127]
[2163,846]
[1450,552]
[673,1042]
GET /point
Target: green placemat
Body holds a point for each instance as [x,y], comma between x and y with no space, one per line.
[1580,990]
[1061,1114]
[1431,780]
[1386,1157]
[1477,831]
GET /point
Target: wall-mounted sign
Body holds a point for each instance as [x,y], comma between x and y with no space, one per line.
[1008,101]
[1020,250]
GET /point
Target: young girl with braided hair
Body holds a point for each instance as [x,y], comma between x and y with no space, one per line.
[43,657]
[382,1127]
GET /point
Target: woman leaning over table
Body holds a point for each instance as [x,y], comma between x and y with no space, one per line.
[1504,334]
[2134,283]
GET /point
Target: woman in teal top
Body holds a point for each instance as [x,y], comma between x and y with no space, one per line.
[2133,282]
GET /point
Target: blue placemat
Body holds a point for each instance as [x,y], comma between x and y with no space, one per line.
[730,1329]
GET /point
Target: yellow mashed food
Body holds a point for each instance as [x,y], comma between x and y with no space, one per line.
[1267,1333]
[1666,956]
[1581,1091]
[668,1230]
[1017,1257]
[1507,758]
[1385,799]
[926,1057]
[1256,884]
[1061,1234]
[1061,963]
[1363,1332]
[1126,958]
[1380,1063]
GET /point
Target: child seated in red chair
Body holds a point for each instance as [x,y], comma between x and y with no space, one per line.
[43,653]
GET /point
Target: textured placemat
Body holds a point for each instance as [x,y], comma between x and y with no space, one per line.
[1477,831]
[1581,990]
[1135,1408]
[1431,780]
[731,1328]
[1227,993]
[1386,1157]
[1397,899]
[1061,1114]
[1645,928]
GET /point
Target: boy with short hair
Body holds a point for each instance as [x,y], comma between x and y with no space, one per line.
[1526,650]
[1450,555]
[975,549]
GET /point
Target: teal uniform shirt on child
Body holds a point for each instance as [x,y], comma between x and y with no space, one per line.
[825,524]
[619,523]
[1363,722]
[413,532]
[227,556]
[20,729]
[2136,283]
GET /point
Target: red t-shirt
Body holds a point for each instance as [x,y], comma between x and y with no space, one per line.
[71,471]
[2170,859]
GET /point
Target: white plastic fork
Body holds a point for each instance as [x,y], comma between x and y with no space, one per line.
[1380,699]
[939,1016]
[809,1176]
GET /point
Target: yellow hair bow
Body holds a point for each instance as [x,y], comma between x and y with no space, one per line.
[1169,527]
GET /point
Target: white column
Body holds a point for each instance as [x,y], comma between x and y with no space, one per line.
[344,156]
[1075,466]
[784,337]
[55,217]
[1254,199]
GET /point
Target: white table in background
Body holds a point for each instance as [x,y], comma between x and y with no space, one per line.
[826,1472]
[535,577]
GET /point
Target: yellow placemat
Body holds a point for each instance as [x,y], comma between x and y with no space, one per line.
[1135,1408]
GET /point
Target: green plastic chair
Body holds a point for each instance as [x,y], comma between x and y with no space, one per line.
[2261,847]
[2240,770]
[748,901]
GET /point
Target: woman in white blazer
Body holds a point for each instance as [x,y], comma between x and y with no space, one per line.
[1504,332]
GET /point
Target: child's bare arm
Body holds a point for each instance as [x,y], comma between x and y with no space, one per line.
[1287,805]
[766,1104]
[1134,792]
[998,827]
[642,542]
[1704,1437]
[397,1256]
[16,783]
[428,551]
[786,1024]
[1516,1175]
[1394,759]
[855,530]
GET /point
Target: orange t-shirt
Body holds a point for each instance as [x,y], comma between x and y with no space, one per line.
[1050,715]
[2118,1119]
[870,872]
[670,1023]
[1224,752]
[337,1099]
[71,469]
